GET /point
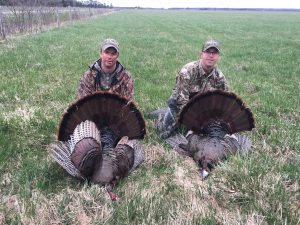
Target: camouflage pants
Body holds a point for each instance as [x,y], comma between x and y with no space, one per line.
[166,124]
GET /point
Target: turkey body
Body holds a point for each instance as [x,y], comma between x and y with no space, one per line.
[115,165]
[97,139]
[213,118]
[207,151]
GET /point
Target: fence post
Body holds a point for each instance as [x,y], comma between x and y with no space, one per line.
[2,29]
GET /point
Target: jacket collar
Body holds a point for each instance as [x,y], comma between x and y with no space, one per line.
[96,66]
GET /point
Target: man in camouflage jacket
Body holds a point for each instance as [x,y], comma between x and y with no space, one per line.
[107,74]
[194,77]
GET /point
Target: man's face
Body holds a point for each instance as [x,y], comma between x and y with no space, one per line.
[109,57]
[210,57]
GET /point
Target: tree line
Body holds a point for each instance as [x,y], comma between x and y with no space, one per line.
[29,16]
[60,3]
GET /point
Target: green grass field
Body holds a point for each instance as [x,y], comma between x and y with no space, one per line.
[260,59]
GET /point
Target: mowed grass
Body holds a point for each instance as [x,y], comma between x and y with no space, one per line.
[39,79]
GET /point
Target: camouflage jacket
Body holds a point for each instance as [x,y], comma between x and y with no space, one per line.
[119,82]
[192,79]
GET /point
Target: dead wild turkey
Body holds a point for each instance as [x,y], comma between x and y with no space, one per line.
[106,110]
[95,139]
[213,117]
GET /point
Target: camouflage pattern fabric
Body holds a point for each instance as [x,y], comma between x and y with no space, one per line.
[119,82]
[166,124]
[192,79]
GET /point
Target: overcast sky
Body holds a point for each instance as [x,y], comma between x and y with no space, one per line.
[287,4]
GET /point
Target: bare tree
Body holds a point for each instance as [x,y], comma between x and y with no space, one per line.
[35,15]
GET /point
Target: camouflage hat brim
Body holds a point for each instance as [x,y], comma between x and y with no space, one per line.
[104,47]
[211,44]
[208,47]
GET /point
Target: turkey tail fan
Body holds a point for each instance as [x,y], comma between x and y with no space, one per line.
[129,122]
[105,110]
[217,106]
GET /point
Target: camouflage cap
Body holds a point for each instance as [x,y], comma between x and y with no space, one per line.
[211,44]
[110,43]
